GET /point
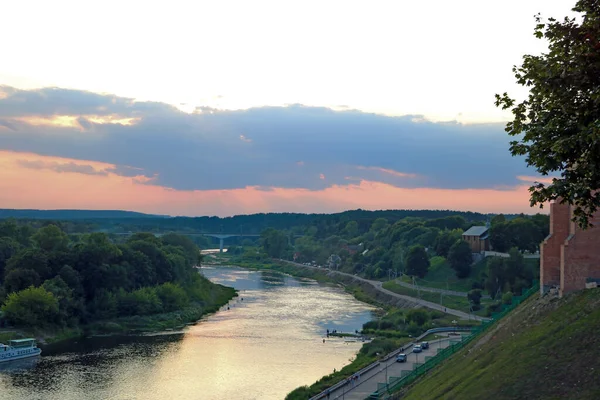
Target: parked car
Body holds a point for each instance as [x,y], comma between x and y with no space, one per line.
[417,348]
[424,345]
[401,358]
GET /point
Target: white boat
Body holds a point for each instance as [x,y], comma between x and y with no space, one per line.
[19,348]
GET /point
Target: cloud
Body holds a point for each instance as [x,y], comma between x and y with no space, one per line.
[388,171]
[540,179]
[210,151]
[20,187]
[85,169]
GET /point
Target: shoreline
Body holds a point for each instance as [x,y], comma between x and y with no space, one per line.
[133,325]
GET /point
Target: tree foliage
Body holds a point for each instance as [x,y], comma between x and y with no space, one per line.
[557,127]
[53,280]
[31,307]
[417,262]
[460,258]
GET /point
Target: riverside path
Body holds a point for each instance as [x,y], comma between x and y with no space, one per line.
[379,286]
[369,382]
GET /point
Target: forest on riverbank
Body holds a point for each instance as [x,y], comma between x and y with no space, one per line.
[52,282]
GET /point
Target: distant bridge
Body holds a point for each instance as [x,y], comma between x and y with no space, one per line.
[220,236]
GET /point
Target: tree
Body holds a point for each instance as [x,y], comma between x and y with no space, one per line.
[33,259]
[558,126]
[498,219]
[51,238]
[420,317]
[18,279]
[32,307]
[274,242]
[460,258]
[444,241]
[8,248]
[417,262]
[496,276]
[474,297]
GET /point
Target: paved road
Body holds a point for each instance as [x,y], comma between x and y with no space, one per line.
[436,290]
[368,383]
[379,286]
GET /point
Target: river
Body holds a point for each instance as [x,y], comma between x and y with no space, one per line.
[262,347]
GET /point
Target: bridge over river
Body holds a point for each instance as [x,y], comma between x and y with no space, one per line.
[220,236]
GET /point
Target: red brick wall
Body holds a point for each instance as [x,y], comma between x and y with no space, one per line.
[550,249]
[580,256]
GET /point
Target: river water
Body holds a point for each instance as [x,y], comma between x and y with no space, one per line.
[262,347]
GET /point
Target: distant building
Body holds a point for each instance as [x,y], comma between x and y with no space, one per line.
[478,238]
[352,248]
[569,256]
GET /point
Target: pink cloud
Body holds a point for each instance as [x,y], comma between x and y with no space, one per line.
[46,188]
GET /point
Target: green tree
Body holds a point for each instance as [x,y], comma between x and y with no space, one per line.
[460,258]
[474,297]
[498,219]
[514,266]
[172,296]
[32,307]
[274,242]
[351,229]
[51,238]
[417,262]
[496,276]
[444,241]
[500,237]
[33,259]
[18,279]
[420,317]
[8,248]
[379,225]
[558,126]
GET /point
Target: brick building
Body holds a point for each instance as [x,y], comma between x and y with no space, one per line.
[569,256]
[478,238]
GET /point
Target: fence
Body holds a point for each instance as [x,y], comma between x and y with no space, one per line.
[395,383]
[344,381]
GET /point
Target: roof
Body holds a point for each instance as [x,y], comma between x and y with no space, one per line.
[21,340]
[475,231]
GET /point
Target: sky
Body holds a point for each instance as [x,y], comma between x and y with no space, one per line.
[235,107]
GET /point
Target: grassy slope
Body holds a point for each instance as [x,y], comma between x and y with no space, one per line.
[455,302]
[442,276]
[546,349]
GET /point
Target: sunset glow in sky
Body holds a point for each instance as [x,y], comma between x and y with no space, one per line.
[229,107]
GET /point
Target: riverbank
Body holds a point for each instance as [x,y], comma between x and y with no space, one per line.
[178,319]
[363,293]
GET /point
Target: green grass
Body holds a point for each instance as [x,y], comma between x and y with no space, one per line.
[442,276]
[456,302]
[545,349]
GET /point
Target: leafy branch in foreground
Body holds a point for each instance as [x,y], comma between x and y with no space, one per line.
[558,126]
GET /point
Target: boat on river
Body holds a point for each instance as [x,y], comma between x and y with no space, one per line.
[18,349]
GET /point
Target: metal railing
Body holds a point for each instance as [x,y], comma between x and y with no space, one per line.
[395,383]
[385,358]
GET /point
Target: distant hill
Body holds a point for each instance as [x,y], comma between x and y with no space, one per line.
[73,214]
[546,349]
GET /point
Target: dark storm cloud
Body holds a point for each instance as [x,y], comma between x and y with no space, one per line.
[266,146]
